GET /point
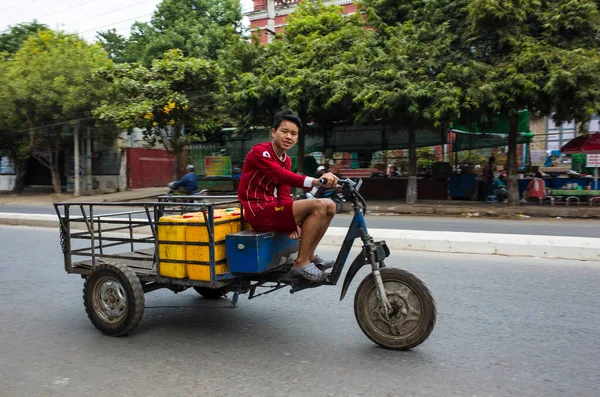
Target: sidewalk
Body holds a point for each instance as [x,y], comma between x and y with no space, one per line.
[423,207]
[47,199]
[480,209]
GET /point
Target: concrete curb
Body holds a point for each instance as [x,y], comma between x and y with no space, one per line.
[579,248]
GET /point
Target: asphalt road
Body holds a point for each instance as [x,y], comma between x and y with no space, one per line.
[530,226]
[506,327]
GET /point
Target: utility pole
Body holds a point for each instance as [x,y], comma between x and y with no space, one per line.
[88,161]
[270,19]
[76,191]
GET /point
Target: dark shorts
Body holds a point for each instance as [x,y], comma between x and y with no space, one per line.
[279,218]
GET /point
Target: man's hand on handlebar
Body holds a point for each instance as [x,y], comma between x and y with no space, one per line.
[326,180]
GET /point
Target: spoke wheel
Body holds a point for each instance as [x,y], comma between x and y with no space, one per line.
[113,298]
[411,318]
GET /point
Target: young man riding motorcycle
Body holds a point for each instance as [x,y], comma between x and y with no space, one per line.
[265,193]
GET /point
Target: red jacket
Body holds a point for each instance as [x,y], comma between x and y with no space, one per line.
[536,188]
[266,180]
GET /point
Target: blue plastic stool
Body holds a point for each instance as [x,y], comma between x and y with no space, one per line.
[491,199]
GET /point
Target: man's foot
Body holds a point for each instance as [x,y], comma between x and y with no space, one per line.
[322,264]
[309,272]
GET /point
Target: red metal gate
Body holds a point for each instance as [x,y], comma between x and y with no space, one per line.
[149,167]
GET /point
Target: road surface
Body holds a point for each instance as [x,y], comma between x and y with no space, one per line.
[506,327]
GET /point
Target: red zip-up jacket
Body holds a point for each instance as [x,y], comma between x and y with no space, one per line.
[267,180]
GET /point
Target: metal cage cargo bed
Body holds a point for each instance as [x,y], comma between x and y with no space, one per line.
[135,231]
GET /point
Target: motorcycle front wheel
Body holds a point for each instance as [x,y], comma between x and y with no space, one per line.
[413,313]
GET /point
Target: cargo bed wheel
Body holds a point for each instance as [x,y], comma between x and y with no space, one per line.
[113,298]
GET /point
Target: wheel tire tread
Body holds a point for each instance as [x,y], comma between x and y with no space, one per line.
[138,299]
[428,303]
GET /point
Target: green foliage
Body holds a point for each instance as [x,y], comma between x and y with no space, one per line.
[11,142]
[174,102]
[12,40]
[49,86]
[300,69]
[425,158]
[200,28]
[52,77]
[114,44]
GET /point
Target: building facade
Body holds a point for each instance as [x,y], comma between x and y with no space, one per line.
[269,16]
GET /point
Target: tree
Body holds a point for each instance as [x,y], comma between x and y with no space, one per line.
[412,83]
[52,85]
[537,55]
[115,45]
[494,57]
[174,102]
[12,40]
[12,142]
[199,28]
[298,70]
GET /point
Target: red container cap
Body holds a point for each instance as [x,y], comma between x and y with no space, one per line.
[217,217]
[187,216]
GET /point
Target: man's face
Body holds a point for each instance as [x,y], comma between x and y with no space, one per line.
[286,136]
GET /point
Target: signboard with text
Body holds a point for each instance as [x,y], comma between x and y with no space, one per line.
[593,160]
[217,166]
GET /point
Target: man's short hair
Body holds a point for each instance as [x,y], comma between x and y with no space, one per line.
[286,114]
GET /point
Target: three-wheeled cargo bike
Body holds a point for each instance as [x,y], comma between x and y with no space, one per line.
[206,245]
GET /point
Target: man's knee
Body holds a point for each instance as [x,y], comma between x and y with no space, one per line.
[329,208]
[320,207]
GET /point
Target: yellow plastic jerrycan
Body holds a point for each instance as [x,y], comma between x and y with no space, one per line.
[174,231]
[201,253]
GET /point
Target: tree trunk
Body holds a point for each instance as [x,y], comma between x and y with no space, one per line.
[48,156]
[180,164]
[20,171]
[176,149]
[512,187]
[411,188]
[55,178]
[300,155]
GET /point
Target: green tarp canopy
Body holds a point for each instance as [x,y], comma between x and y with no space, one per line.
[475,140]
[472,137]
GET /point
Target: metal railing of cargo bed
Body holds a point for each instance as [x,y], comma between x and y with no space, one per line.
[105,230]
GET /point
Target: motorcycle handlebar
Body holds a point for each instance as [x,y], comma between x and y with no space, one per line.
[341,182]
[349,183]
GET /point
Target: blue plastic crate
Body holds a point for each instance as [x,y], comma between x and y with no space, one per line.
[258,252]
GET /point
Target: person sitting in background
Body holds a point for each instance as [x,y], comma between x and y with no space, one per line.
[487,176]
[236,172]
[499,186]
[535,189]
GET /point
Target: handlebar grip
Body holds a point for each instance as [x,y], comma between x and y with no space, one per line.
[322,181]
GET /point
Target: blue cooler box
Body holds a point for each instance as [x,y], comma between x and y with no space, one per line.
[257,252]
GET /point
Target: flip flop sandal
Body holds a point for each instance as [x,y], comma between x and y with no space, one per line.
[322,264]
[309,272]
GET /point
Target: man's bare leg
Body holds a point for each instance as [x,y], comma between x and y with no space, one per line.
[313,214]
[330,213]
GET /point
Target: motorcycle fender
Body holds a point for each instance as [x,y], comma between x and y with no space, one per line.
[354,268]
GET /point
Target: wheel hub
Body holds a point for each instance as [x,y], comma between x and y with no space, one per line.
[110,301]
[405,315]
